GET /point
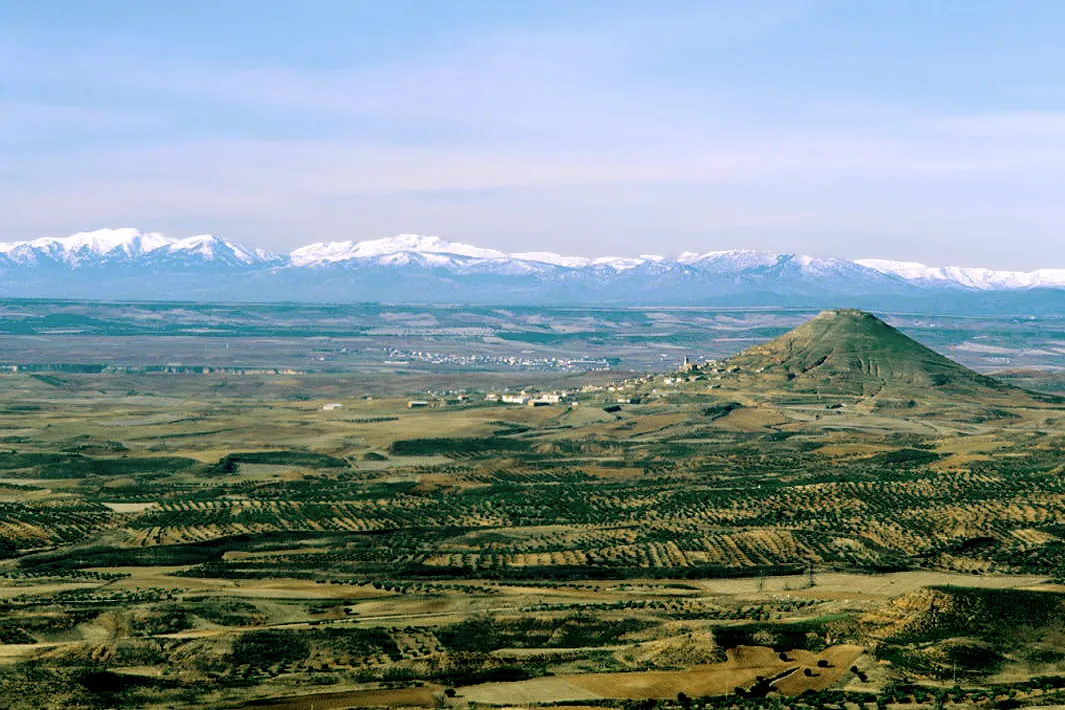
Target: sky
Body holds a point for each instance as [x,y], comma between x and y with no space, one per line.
[911,130]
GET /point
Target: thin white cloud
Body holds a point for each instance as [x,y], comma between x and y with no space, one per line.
[1010,125]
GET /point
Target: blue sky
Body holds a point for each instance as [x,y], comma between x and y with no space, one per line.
[929,131]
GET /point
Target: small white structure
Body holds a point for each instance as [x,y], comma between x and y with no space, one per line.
[331,406]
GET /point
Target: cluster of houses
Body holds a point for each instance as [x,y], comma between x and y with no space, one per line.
[630,391]
[394,356]
[450,399]
[530,399]
[523,398]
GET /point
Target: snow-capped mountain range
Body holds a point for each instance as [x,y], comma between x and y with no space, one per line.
[126,263]
[108,246]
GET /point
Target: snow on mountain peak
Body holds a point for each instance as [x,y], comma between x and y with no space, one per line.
[822,264]
[970,277]
[82,247]
[905,269]
[729,259]
[126,244]
[433,250]
[619,263]
[325,252]
[211,247]
[105,241]
[422,245]
[547,257]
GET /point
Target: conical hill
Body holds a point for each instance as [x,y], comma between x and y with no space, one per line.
[848,351]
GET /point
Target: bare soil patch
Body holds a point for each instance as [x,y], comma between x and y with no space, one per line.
[425,696]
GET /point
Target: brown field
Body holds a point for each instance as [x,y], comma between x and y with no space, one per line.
[427,696]
[744,665]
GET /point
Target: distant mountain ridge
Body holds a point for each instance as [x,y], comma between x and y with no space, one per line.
[128,264]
